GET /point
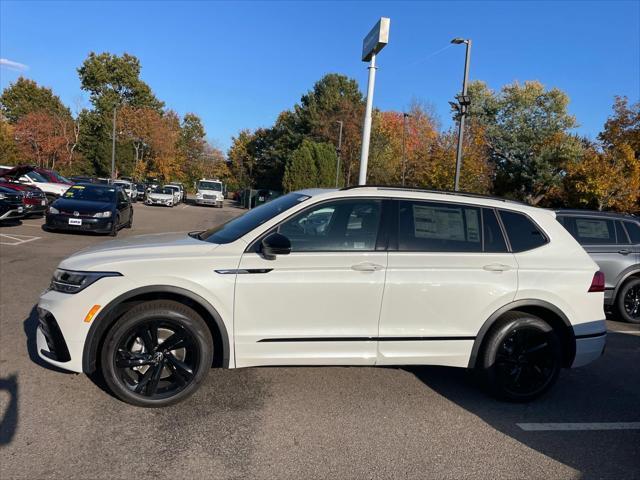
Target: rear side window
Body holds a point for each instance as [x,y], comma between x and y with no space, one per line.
[621,235]
[439,227]
[523,234]
[492,234]
[594,231]
[633,229]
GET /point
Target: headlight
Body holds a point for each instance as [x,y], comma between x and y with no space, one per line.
[102,214]
[54,210]
[66,281]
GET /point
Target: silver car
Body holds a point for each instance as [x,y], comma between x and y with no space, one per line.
[613,241]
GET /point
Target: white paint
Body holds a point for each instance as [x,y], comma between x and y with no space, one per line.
[15,239]
[575,427]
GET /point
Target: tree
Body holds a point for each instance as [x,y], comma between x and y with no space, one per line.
[40,139]
[26,96]
[192,146]
[241,158]
[9,153]
[301,171]
[527,131]
[623,127]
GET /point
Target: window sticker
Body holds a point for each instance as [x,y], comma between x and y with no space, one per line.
[473,225]
[592,229]
[438,223]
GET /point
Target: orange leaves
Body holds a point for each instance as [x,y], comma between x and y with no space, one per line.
[42,137]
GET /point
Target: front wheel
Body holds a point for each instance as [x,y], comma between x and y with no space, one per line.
[114,226]
[157,354]
[628,301]
[522,358]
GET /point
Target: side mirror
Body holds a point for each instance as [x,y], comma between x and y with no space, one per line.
[275,244]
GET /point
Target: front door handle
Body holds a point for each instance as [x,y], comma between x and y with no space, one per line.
[496,267]
[366,267]
[624,252]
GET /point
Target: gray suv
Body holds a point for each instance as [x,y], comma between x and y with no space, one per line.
[613,241]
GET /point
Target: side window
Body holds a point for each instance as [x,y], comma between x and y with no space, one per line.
[344,225]
[595,231]
[438,227]
[123,196]
[621,235]
[493,239]
[523,233]
[633,229]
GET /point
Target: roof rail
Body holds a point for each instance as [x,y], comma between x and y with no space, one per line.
[427,190]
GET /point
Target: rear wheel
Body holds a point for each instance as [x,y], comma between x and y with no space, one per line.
[157,354]
[628,301]
[522,357]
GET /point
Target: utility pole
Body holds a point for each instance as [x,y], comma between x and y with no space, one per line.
[375,41]
[339,152]
[404,160]
[464,102]
[113,146]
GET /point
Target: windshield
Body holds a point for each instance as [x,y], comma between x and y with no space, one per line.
[91,193]
[59,178]
[36,177]
[164,190]
[217,186]
[239,226]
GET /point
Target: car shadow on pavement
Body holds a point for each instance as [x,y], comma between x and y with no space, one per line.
[9,412]
[605,391]
[30,325]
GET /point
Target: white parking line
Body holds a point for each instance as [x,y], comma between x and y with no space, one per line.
[628,332]
[572,427]
[15,239]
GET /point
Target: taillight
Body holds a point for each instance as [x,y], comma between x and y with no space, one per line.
[597,284]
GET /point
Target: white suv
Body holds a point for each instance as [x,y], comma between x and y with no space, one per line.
[361,276]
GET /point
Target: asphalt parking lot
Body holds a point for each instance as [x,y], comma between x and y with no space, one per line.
[296,422]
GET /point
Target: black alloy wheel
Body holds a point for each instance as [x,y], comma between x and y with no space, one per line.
[157,354]
[522,358]
[629,301]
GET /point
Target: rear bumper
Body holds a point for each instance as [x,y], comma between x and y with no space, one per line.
[61,222]
[589,348]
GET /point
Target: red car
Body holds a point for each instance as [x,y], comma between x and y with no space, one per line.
[34,199]
[52,176]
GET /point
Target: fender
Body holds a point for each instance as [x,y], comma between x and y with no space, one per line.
[623,277]
[514,306]
[99,326]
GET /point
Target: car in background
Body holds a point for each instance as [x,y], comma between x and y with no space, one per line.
[82,179]
[177,193]
[412,277]
[53,176]
[209,192]
[26,174]
[91,208]
[161,196]
[128,188]
[11,206]
[613,241]
[141,190]
[34,200]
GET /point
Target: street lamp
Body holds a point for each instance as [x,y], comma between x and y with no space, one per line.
[338,151]
[404,160]
[463,103]
[113,145]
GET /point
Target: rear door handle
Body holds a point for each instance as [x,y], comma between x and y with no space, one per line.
[366,267]
[496,267]
[624,252]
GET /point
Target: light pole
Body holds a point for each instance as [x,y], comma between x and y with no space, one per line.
[339,152]
[375,41]
[404,159]
[113,146]
[464,101]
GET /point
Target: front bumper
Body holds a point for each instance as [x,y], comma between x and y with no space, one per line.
[36,208]
[209,201]
[89,224]
[12,213]
[150,201]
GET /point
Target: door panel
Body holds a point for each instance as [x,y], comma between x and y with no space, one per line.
[306,307]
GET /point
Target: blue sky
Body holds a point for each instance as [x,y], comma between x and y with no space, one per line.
[238,64]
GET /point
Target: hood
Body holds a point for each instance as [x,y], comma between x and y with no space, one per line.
[19,186]
[161,196]
[137,248]
[82,206]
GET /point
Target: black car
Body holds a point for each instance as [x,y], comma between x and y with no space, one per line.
[91,207]
[141,188]
[11,204]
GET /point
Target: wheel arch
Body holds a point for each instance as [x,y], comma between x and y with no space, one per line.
[546,311]
[632,272]
[117,307]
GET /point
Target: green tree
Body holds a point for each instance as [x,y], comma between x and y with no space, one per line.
[325,158]
[9,154]
[301,171]
[527,128]
[623,127]
[26,96]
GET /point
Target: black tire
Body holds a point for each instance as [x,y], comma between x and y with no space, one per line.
[114,226]
[50,198]
[521,357]
[130,222]
[628,301]
[170,376]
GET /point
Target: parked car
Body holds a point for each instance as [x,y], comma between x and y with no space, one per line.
[161,196]
[11,206]
[27,175]
[82,179]
[52,176]
[177,193]
[128,188]
[91,207]
[468,281]
[141,190]
[209,192]
[183,190]
[613,241]
[34,199]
